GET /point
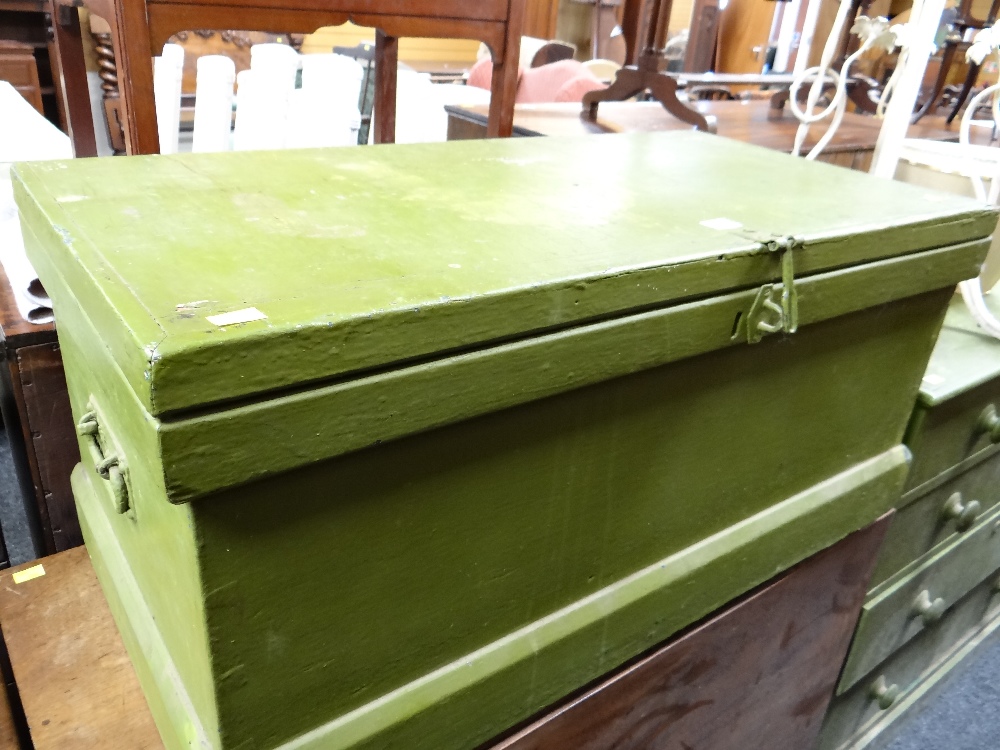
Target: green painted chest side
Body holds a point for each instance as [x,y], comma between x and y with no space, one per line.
[361,261]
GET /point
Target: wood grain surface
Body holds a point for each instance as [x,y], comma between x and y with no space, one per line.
[750,122]
[78,688]
[758,676]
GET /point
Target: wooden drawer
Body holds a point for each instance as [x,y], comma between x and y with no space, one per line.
[19,68]
[919,595]
[954,424]
[942,514]
[952,434]
[872,708]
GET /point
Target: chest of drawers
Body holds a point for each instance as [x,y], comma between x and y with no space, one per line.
[394,447]
[933,596]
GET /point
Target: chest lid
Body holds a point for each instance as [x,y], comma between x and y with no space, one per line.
[231,276]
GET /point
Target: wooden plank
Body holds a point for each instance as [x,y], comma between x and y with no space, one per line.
[758,676]
[484,10]
[76,683]
[24,6]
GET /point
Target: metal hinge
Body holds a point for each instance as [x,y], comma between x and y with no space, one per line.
[776,306]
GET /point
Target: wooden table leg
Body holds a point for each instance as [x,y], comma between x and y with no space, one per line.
[386,63]
[947,59]
[970,81]
[70,76]
[503,91]
[503,85]
[631,24]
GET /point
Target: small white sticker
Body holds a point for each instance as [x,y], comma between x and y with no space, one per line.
[722,224]
[932,379]
[245,315]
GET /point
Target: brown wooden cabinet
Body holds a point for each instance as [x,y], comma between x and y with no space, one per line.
[540,18]
[39,425]
[26,22]
[756,676]
[18,67]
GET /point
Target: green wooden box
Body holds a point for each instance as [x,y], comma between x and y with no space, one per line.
[392,447]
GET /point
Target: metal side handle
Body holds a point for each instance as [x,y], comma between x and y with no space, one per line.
[108,467]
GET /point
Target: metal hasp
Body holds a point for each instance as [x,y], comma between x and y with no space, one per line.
[776,307]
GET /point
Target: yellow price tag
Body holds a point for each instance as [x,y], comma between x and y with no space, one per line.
[35,571]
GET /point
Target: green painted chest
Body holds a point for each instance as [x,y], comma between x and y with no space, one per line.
[392,447]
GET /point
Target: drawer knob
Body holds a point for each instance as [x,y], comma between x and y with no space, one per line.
[989,422]
[963,514]
[927,609]
[884,693]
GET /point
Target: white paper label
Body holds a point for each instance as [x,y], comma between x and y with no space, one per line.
[932,379]
[722,224]
[245,315]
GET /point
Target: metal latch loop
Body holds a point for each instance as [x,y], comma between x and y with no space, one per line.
[776,306]
[789,295]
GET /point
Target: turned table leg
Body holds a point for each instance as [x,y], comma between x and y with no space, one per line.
[386,63]
[503,86]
